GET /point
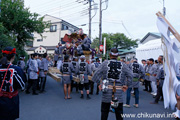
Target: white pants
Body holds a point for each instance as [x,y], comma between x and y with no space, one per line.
[154,87]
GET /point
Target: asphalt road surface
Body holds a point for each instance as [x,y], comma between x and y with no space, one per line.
[51,105]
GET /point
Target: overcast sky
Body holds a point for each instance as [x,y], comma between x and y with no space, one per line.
[138,16]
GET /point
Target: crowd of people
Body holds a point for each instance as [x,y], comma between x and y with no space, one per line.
[151,76]
[113,77]
[121,74]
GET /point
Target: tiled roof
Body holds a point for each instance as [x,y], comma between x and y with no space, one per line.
[157,35]
[125,51]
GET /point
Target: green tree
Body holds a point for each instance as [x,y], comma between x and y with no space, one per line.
[95,43]
[20,23]
[5,40]
[122,41]
[109,42]
[118,40]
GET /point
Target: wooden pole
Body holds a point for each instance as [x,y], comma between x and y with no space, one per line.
[171,28]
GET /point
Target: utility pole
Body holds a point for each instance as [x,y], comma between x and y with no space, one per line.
[164,13]
[100,20]
[164,8]
[90,6]
[100,23]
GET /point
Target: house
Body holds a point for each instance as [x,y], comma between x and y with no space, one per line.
[52,35]
[153,48]
[128,54]
[150,36]
[150,47]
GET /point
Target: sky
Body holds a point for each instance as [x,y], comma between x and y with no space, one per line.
[138,16]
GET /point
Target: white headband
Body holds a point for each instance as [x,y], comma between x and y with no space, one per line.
[82,56]
[22,57]
[114,54]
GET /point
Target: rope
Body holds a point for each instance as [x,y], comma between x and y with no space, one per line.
[4,78]
[165,52]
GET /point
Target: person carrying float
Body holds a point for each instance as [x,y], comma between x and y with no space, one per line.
[75,65]
[84,70]
[116,78]
[66,70]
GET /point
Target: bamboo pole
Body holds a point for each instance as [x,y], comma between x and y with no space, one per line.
[171,28]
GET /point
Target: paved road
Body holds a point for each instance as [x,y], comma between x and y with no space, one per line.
[51,105]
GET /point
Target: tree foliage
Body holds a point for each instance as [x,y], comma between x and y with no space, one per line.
[19,22]
[118,40]
[4,39]
[122,41]
[109,42]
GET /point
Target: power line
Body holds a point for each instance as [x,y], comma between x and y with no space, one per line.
[69,16]
[41,4]
[123,27]
[60,7]
[63,10]
[126,30]
[74,13]
[84,24]
[39,1]
[55,8]
[50,5]
[82,18]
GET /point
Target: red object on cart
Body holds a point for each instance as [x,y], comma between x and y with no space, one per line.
[67,38]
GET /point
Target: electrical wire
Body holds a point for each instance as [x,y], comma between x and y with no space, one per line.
[67,6]
[74,13]
[127,30]
[52,4]
[53,9]
[64,11]
[75,18]
[48,3]
[106,21]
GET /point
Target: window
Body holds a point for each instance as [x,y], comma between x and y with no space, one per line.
[39,40]
[53,28]
[29,43]
[64,27]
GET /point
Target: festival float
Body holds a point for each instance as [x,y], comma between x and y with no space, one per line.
[76,44]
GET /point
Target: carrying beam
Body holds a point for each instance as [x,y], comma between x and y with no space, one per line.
[171,28]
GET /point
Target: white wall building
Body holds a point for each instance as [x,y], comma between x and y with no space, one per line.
[151,47]
[52,35]
[149,42]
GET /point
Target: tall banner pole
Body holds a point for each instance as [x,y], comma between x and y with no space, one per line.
[104,50]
